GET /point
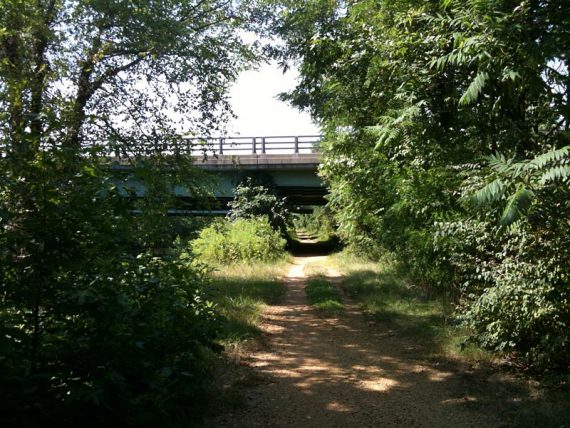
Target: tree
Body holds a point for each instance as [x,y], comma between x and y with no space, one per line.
[99,322]
[78,72]
[414,97]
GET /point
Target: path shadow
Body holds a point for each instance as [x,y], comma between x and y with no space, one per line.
[300,248]
[343,372]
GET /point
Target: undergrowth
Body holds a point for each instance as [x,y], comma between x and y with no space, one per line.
[250,240]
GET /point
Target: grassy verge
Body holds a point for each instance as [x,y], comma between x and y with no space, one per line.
[323,296]
[240,292]
[390,299]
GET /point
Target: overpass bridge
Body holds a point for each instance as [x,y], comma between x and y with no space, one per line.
[289,162]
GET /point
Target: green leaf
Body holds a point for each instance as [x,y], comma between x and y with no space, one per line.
[511,75]
[556,173]
[517,206]
[553,156]
[474,89]
[492,192]
[499,162]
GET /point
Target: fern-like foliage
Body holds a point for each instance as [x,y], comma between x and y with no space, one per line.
[499,163]
[553,156]
[492,192]
[557,173]
[392,127]
[518,182]
[517,206]
[474,89]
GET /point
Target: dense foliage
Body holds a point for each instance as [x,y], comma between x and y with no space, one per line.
[94,321]
[446,127]
[242,240]
[102,320]
[253,200]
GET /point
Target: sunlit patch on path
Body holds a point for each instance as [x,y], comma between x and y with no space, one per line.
[340,372]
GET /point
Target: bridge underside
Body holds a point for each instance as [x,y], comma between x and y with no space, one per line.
[296,197]
[293,176]
[299,199]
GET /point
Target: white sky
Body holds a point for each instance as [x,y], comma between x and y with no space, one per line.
[253,99]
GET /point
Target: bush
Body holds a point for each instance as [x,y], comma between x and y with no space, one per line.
[243,240]
[514,287]
[100,326]
[526,311]
[252,201]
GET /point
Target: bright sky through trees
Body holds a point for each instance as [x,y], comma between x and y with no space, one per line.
[260,113]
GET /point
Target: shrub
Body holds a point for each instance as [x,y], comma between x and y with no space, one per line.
[242,240]
[514,287]
[107,333]
[526,311]
[252,201]
[517,297]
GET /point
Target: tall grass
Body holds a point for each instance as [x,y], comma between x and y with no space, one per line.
[240,292]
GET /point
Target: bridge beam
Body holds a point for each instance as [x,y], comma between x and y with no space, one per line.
[260,161]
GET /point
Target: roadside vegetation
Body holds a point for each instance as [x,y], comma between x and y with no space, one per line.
[240,291]
[242,240]
[105,320]
[244,255]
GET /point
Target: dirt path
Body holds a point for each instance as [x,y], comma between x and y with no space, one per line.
[343,372]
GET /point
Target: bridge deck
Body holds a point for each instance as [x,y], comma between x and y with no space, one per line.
[291,163]
[252,150]
[261,162]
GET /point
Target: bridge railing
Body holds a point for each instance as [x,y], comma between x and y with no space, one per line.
[283,144]
[265,145]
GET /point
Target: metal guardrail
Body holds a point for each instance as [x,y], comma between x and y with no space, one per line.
[231,146]
[283,144]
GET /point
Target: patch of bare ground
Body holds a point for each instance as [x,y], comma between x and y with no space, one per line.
[344,372]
